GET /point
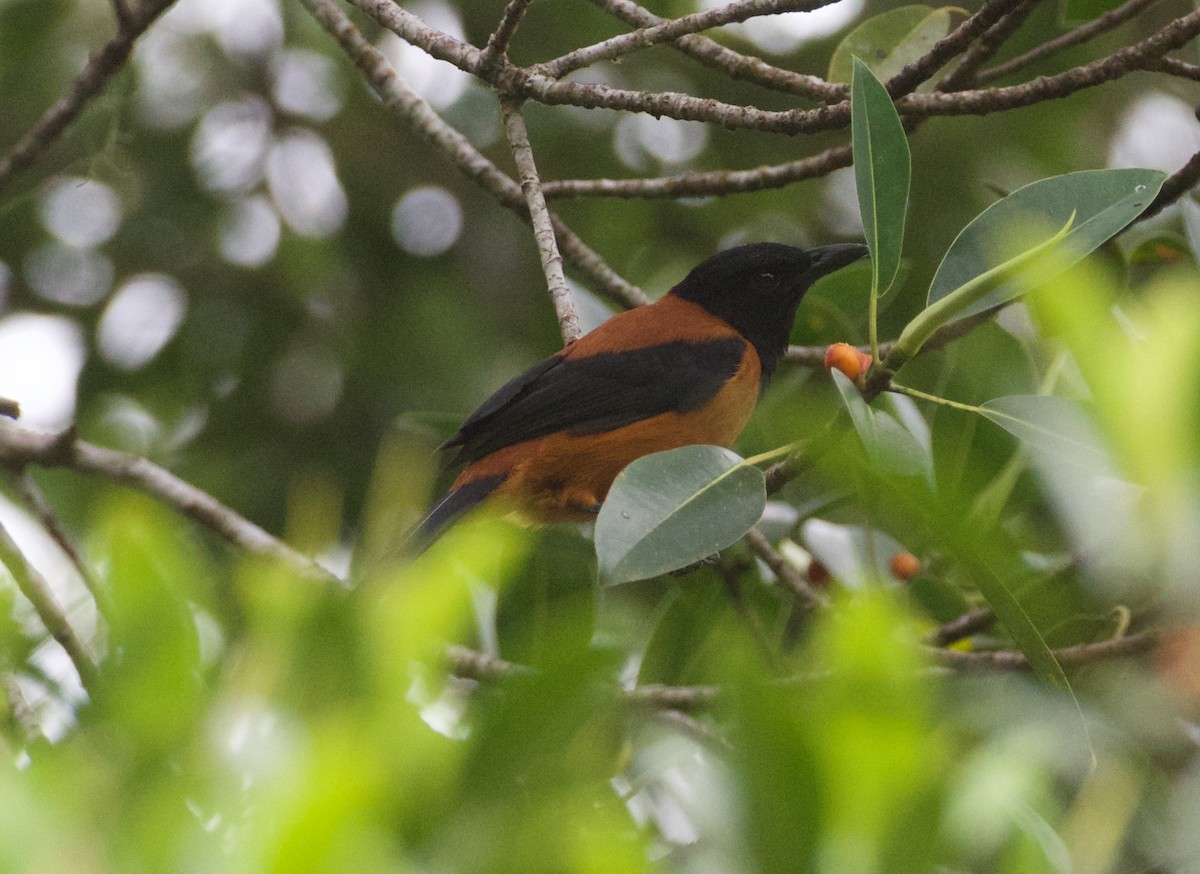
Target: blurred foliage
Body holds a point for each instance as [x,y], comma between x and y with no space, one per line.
[347,296]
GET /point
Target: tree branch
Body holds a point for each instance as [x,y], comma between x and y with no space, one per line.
[539,217]
[497,44]
[422,119]
[37,591]
[31,495]
[979,619]
[100,68]
[810,597]
[1084,33]
[1178,184]
[672,29]
[734,64]
[20,447]
[989,42]
[1070,656]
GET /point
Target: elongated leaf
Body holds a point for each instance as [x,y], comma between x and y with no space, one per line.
[882,172]
[1055,426]
[1103,202]
[890,41]
[670,509]
[890,446]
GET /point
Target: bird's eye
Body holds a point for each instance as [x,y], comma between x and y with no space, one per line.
[766,281]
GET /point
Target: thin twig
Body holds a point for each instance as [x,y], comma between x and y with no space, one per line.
[37,591]
[788,575]
[539,217]
[672,29]
[1178,184]
[20,447]
[420,117]
[1084,33]
[734,64]
[1176,67]
[703,184]
[984,48]
[100,68]
[497,44]
[979,619]
[26,488]
[1070,656]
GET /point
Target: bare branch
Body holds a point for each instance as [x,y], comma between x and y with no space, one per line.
[989,42]
[788,575]
[701,184]
[420,116]
[1176,67]
[100,68]
[669,30]
[497,44]
[539,217]
[979,619]
[26,488]
[734,64]
[1070,656]
[35,588]
[1178,184]
[20,447]
[1084,33]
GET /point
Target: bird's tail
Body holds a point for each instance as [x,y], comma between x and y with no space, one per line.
[457,502]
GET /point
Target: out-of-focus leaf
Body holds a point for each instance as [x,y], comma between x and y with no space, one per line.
[855,556]
[892,447]
[670,509]
[882,171]
[1056,426]
[890,41]
[1191,224]
[1095,204]
[1159,250]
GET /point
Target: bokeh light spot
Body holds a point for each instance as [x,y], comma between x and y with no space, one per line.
[141,318]
[305,83]
[427,221]
[40,360]
[81,212]
[249,232]
[67,275]
[304,184]
[231,143]
[1156,130]
[439,82]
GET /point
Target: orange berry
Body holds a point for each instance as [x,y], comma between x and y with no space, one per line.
[905,565]
[845,358]
[865,361]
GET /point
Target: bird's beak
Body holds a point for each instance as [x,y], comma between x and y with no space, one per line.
[827,259]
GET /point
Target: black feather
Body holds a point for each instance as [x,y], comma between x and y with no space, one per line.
[598,393]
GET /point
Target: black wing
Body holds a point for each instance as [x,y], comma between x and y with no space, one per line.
[588,395]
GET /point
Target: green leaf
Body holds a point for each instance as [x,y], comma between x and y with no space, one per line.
[890,446]
[1056,426]
[882,171]
[670,509]
[1103,202]
[965,298]
[891,41]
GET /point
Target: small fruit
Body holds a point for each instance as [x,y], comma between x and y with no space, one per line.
[845,358]
[864,362]
[905,565]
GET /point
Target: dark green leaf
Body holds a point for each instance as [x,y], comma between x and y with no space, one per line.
[670,509]
[882,171]
[1103,202]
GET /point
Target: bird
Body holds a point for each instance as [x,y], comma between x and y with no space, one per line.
[686,369]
